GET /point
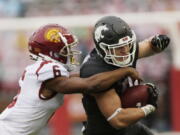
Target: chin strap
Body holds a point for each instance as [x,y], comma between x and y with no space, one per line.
[35,57]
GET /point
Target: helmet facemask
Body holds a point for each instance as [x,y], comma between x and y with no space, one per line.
[121,54]
[67,50]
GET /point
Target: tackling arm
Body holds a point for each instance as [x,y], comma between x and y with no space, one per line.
[110,105]
[95,83]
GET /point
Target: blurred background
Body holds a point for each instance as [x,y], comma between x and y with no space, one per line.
[19,18]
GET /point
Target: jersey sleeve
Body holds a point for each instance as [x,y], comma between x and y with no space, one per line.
[50,70]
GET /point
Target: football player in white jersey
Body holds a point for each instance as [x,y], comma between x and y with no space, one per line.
[44,83]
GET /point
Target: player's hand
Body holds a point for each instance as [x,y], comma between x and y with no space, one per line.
[153,94]
[133,73]
[160,42]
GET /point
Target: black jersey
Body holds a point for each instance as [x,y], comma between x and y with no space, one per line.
[96,122]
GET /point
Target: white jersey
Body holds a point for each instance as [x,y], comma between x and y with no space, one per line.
[29,111]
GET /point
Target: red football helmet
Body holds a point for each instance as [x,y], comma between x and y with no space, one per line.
[52,41]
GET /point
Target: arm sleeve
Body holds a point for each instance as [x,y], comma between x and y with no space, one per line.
[50,70]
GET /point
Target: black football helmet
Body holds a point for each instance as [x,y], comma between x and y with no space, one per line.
[111,35]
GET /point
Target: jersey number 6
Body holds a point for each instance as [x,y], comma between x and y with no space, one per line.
[56,71]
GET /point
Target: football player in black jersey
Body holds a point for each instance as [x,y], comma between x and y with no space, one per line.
[116,47]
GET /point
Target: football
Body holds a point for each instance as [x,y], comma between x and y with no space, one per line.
[135,96]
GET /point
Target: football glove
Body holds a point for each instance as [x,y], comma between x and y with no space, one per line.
[160,42]
[153,94]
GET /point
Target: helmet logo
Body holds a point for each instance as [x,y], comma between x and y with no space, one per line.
[52,35]
[98,32]
[125,38]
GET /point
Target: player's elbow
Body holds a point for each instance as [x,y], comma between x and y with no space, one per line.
[119,121]
[118,124]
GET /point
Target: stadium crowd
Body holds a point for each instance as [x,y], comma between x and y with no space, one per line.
[21,8]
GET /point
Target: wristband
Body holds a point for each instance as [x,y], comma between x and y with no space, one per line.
[148,109]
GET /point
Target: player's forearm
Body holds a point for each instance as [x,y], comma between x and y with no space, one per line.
[129,116]
[145,48]
[153,45]
[95,83]
[104,81]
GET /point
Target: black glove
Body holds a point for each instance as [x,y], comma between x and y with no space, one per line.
[153,94]
[160,42]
